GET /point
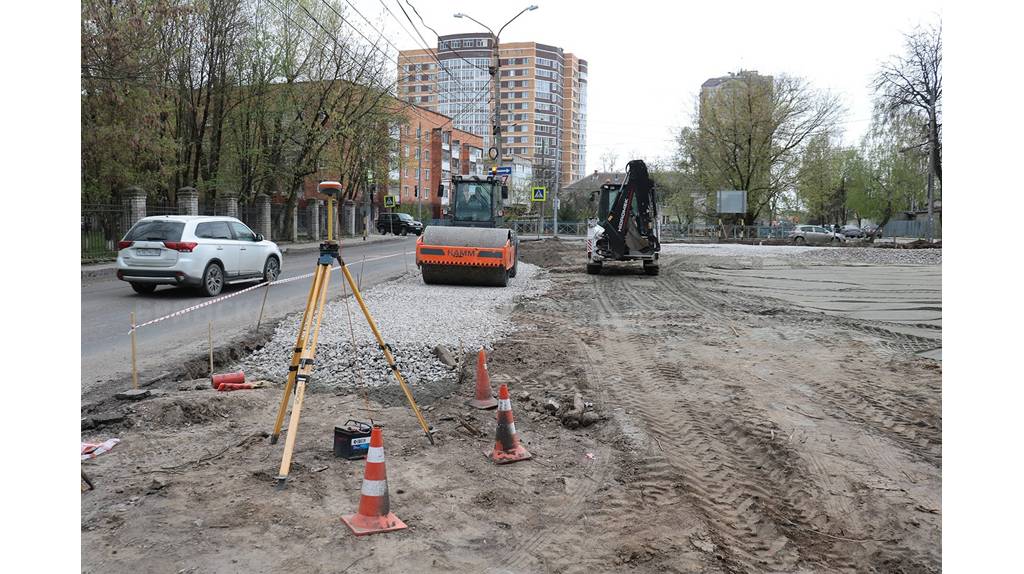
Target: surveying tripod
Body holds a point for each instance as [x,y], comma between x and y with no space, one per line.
[301,368]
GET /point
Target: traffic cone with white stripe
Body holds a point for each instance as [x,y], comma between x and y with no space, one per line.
[506,441]
[484,395]
[374,514]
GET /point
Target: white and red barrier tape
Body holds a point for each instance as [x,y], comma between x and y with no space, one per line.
[246,290]
[186,310]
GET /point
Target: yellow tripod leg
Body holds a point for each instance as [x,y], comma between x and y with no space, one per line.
[387,354]
[300,343]
[301,377]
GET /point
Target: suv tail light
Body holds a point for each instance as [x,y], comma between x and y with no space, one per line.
[183,246]
[124,244]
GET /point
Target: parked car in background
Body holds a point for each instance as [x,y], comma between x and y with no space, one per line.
[398,223]
[207,252]
[814,234]
[853,231]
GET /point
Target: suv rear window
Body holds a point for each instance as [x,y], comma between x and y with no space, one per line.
[156,230]
[213,230]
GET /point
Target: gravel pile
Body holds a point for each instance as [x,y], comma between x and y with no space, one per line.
[413,318]
[814,255]
[873,256]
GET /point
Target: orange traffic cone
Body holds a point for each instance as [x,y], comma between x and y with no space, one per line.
[374,514]
[484,395]
[506,441]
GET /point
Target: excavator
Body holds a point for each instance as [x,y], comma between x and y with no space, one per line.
[472,248]
[627,226]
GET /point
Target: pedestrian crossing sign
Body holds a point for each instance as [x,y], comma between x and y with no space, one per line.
[389,201]
[540,194]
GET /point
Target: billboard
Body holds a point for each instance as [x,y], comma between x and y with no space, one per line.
[732,201]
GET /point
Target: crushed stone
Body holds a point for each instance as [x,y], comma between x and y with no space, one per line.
[413,319]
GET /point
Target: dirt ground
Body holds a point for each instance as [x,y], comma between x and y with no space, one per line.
[740,433]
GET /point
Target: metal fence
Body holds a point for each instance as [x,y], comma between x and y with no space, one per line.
[917,228]
[103,225]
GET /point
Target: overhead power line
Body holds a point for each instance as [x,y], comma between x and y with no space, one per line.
[438,36]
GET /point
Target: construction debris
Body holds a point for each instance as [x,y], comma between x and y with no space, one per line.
[445,356]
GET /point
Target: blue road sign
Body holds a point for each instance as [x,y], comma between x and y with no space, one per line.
[505,170]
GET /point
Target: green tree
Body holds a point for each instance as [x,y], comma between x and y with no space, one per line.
[824,180]
[127,134]
[889,173]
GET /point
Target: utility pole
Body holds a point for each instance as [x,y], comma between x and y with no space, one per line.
[931,185]
[558,181]
[547,182]
[495,71]
[419,172]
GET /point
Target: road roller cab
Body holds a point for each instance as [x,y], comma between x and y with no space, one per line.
[471,248]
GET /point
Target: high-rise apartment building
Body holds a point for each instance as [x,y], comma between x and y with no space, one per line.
[543,98]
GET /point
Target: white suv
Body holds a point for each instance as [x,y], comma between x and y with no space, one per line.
[199,251]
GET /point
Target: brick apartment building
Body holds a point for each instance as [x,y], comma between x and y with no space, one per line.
[445,150]
[543,97]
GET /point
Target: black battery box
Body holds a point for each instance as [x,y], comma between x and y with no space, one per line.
[352,441]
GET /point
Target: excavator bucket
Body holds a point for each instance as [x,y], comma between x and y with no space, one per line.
[466,256]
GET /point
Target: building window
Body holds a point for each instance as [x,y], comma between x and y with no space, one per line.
[426,174]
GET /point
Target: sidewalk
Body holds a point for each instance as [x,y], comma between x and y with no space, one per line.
[107,270]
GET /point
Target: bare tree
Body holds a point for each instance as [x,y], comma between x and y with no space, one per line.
[913,81]
[608,160]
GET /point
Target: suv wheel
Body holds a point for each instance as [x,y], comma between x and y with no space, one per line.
[405,231]
[144,288]
[213,280]
[271,269]
[798,240]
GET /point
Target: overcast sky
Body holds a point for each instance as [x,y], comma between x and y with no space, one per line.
[647,59]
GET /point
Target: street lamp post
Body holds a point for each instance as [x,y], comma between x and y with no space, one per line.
[495,72]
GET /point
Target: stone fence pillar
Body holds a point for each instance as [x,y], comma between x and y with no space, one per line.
[228,203]
[295,225]
[263,218]
[188,201]
[348,210]
[314,219]
[134,199]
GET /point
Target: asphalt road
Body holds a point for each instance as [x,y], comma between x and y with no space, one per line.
[108,303]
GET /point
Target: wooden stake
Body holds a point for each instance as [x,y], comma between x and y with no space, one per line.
[209,335]
[135,373]
[263,306]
